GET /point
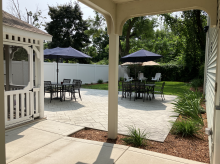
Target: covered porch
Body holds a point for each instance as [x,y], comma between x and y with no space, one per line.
[116,13]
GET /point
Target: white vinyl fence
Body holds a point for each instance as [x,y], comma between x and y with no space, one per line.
[88,73]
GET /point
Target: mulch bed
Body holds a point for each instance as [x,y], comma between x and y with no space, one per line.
[194,148]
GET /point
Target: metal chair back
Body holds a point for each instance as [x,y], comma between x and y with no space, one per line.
[66,81]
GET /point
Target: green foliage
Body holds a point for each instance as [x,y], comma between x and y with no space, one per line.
[20,54]
[121,79]
[98,34]
[186,128]
[102,62]
[188,106]
[136,137]
[195,83]
[138,28]
[100,81]
[67,26]
[189,28]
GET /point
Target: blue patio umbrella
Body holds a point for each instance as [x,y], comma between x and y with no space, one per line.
[140,56]
[57,53]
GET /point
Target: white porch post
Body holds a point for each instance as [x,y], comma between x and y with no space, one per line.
[113,85]
[41,79]
[2,111]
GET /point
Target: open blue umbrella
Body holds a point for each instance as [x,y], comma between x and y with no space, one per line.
[140,57]
[57,53]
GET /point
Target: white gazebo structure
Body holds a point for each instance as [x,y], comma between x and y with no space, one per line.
[23,103]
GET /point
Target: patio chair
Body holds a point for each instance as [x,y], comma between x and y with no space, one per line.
[157,77]
[160,91]
[141,77]
[48,89]
[126,89]
[126,78]
[66,81]
[140,89]
[76,88]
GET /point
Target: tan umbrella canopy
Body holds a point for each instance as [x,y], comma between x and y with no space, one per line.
[149,63]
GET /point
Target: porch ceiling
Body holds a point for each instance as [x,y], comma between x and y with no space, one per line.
[122,1]
[117,12]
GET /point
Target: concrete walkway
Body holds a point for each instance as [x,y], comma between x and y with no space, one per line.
[46,142]
[152,116]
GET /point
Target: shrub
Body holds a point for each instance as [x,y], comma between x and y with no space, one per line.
[188,106]
[195,83]
[100,81]
[121,79]
[136,137]
[186,128]
[86,83]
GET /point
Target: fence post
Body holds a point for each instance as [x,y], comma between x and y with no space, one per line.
[95,74]
[77,70]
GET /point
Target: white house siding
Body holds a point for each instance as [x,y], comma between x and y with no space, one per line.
[211,60]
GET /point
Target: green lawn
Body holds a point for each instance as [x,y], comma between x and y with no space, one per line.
[171,87]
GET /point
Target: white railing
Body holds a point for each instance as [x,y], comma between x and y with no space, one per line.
[19,106]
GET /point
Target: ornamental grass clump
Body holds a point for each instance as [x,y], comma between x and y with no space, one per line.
[136,137]
[186,128]
[188,106]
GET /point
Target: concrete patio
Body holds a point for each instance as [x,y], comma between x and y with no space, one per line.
[46,142]
[152,116]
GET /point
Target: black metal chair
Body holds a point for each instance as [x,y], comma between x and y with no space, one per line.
[66,81]
[140,89]
[126,89]
[161,91]
[75,88]
[48,89]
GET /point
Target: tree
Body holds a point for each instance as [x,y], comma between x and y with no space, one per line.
[190,29]
[34,18]
[137,28]
[67,27]
[98,34]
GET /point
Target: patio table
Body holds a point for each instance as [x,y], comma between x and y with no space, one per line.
[60,87]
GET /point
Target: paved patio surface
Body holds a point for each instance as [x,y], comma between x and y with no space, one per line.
[152,116]
[46,142]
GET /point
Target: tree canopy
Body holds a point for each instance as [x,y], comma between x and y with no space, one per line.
[67,26]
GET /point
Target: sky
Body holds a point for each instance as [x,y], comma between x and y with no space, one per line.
[32,5]
[42,5]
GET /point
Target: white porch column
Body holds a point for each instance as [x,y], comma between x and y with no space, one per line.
[113,85]
[41,79]
[2,111]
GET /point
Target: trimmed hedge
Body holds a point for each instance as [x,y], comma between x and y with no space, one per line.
[170,72]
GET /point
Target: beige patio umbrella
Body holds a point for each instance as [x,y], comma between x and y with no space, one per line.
[149,63]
